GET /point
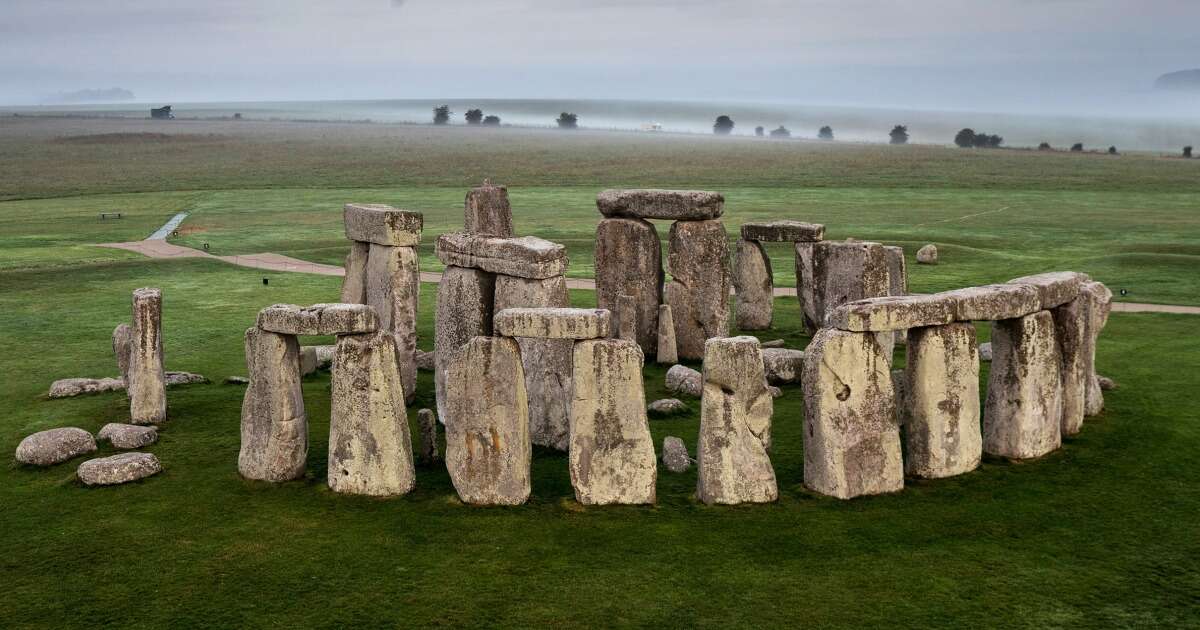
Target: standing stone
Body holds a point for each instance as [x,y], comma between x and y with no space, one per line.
[122,342]
[940,406]
[308,360]
[629,262]
[804,286]
[464,311]
[1023,413]
[847,272]
[547,362]
[488,212]
[1099,305]
[1071,330]
[354,284]
[274,425]
[754,286]
[627,317]
[675,455]
[146,385]
[698,259]
[851,438]
[612,453]
[735,425]
[897,270]
[393,290]
[488,452]
[928,255]
[668,353]
[370,450]
[429,446]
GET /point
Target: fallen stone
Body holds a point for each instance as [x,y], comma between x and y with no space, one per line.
[488,212]
[122,342]
[464,311]
[689,205]
[897,270]
[698,293]
[805,286]
[892,313]
[993,302]
[274,426]
[69,387]
[846,272]
[851,437]
[628,261]
[1074,346]
[318,319]
[940,404]
[553,323]
[666,407]
[783,231]
[754,286]
[985,351]
[524,257]
[393,291]
[146,384]
[928,255]
[667,350]
[735,426]
[425,360]
[118,469]
[237,380]
[128,435]
[1023,413]
[382,225]
[354,283]
[54,446]
[1099,305]
[774,343]
[675,455]
[427,422]
[1055,288]
[183,378]
[783,366]
[682,379]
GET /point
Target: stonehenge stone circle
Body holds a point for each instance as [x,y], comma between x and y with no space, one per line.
[667,349]
[117,469]
[54,446]
[487,211]
[754,286]
[687,205]
[628,261]
[382,225]
[1023,413]
[318,319]
[675,455]
[127,436]
[698,293]
[274,424]
[146,382]
[940,405]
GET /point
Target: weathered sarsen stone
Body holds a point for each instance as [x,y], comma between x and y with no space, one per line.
[429,446]
[698,259]
[274,424]
[393,290]
[1023,413]
[70,387]
[1055,288]
[783,365]
[382,225]
[464,311]
[354,284]
[668,353]
[128,435]
[524,257]
[487,211]
[122,342]
[735,425]
[612,453]
[1099,305]
[940,406]
[897,270]
[682,379]
[805,286]
[1071,330]
[54,446]
[688,205]
[628,261]
[146,383]
[993,302]
[892,313]
[928,255]
[754,286]
[846,272]
[553,323]
[488,451]
[318,319]
[117,469]
[783,231]
[675,455]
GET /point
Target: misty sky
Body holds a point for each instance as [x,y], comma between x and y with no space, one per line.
[1011,55]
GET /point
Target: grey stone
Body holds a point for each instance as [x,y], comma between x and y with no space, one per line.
[237,380]
[928,255]
[774,343]
[897,270]
[524,257]
[69,387]
[805,286]
[553,323]
[324,355]
[1023,413]
[754,286]
[382,225]
[464,311]
[425,360]
[985,351]
[666,407]
[846,272]
[128,435]
[693,205]
[783,366]
[851,436]
[682,379]
[393,290]
[118,469]
[783,231]
[354,283]
[626,318]
[675,455]
[1105,383]
[628,261]
[147,384]
[1099,305]
[698,259]
[318,319]
[54,446]
[667,350]
[122,342]
[429,445]
[940,404]
[308,360]
[488,212]
[1074,346]
[183,378]
[1055,288]
[892,313]
[993,302]
[274,425]
[612,453]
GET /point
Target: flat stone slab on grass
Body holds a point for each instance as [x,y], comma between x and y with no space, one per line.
[890,313]
[54,446]
[128,435]
[646,203]
[70,387]
[382,224]
[666,407]
[524,257]
[783,231]
[994,302]
[1055,288]
[553,323]
[118,469]
[319,319]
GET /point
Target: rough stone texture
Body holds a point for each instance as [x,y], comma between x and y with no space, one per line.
[318,319]
[54,446]
[805,292]
[1023,413]
[851,437]
[547,362]
[146,383]
[846,272]
[735,425]
[690,205]
[524,257]
[488,451]
[783,365]
[897,270]
[237,380]
[626,317]
[69,387]
[380,224]
[128,435]
[393,290]
[754,286]
[370,450]
[308,360]
[488,212]
[666,407]
[464,311]
[774,343]
[1099,305]
[682,379]
[698,259]
[118,469]
[674,455]
[324,355]
[429,445]
[274,424]
[928,255]
[628,259]
[354,284]
[425,360]
[985,351]
[1074,346]
[940,405]
[892,313]
[667,350]
[993,302]
[612,453]
[122,343]
[1105,383]
[553,323]
[1055,288]
[774,391]
[184,378]
[783,231]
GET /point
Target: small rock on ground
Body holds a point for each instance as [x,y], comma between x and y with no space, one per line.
[985,351]
[928,255]
[666,407]
[117,469]
[1106,384]
[128,435]
[675,455]
[54,446]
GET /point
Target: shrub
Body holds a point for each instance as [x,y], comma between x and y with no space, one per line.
[758,131]
[965,138]
[1112,150]
[1187,151]
[491,121]
[567,121]
[826,133]
[1045,146]
[474,116]
[441,115]
[723,126]
[899,134]
[781,132]
[1077,147]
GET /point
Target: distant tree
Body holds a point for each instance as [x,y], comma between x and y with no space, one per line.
[567,121]
[1077,147]
[441,115]
[994,141]
[1045,146]
[723,126]
[1187,151]
[826,133]
[781,132]
[491,121]
[474,116]
[1112,150]
[758,131]
[899,134]
[965,138]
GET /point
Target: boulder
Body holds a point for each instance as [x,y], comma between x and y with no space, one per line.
[118,469]
[688,205]
[667,351]
[488,451]
[698,259]
[69,387]
[774,343]
[54,446]
[274,425]
[308,360]
[354,283]
[425,360]
[122,342]
[682,379]
[985,351]
[1074,346]
[612,453]
[675,455]
[553,323]
[393,290]
[1099,304]
[427,423]
[1055,288]
[147,384]
[524,257]
[754,286]
[892,313]
[183,378]
[783,231]
[488,212]
[783,366]
[318,319]
[940,405]
[846,272]
[851,437]
[380,224]
[1105,383]
[325,356]
[805,289]
[128,436]
[666,407]
[628,259]
[370,450]
[993,302]
[735,426]
[928,255]
[464,311]
[1023,413]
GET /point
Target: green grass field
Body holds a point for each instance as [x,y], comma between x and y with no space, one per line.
[1099,534]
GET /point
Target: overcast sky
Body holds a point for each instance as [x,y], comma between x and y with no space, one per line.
[973,54]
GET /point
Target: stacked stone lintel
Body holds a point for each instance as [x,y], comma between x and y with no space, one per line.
[752,280]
